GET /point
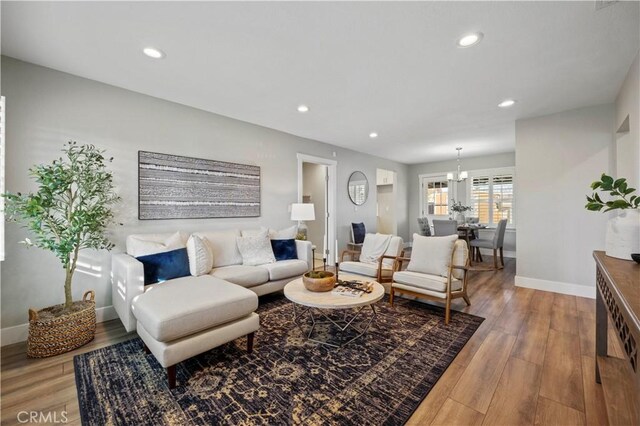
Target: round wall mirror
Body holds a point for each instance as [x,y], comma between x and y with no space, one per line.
[358,188]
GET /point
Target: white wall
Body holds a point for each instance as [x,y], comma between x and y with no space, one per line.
[314,186]
[627,156]
[557,158]
[45,108]
[472,163]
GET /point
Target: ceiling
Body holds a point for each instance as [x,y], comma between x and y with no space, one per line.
[393,68]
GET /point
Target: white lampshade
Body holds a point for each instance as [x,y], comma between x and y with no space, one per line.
[449,176]
[301,211]
[463,175]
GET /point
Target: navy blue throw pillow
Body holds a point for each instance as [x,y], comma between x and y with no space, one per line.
[358,233]
[284,249]
[165,266]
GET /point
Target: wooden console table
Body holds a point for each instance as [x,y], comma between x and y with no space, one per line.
[618,298]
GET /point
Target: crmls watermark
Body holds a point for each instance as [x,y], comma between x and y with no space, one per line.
[49,417]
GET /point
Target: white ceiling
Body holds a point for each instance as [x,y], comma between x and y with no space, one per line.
[393,68]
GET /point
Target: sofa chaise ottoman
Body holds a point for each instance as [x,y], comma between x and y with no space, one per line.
[184,317]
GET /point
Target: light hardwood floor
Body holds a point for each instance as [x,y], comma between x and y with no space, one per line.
[530,362]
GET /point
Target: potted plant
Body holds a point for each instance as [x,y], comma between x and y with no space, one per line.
[69,212]
[623,231]
[459,209]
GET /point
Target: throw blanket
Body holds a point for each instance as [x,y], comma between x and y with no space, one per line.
[374,246]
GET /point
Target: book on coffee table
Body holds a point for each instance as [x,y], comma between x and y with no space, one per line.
[346,291]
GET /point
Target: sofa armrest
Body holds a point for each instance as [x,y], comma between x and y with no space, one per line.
[305,253]
[127,282]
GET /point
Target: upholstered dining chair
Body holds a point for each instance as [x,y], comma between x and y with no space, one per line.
[495,244]
[437,271]
[442,228]
[423,227]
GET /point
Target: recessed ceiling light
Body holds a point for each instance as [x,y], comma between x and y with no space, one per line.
[507,103]
[373,135]
[303,108]
[469,40]
[154,53]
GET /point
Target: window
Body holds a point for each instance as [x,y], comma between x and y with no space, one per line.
[435,196]
[491,195]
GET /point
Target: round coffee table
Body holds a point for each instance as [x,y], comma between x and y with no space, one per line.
[320,308]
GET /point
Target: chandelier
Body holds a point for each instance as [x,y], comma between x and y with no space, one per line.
[459,176]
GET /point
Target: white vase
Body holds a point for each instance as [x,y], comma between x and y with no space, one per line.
[460,218]
[623,234]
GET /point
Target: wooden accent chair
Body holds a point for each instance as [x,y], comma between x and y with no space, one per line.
[381,269]
[437,271]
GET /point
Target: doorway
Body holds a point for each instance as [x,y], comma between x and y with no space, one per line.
[386,202]
[317,185]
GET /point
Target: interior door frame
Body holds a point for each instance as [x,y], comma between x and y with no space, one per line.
[332,194]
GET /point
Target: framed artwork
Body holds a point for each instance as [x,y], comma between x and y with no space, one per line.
[177,187]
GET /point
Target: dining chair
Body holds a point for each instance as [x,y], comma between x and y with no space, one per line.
[423,227]
[358,231]
[442,228]
[495,244]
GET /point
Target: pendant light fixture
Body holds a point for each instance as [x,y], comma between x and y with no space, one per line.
[459,175]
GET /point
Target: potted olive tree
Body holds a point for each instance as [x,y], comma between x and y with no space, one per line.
[69,212]
[623,231]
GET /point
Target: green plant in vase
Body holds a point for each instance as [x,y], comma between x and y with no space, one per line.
[69,212]
[623,230]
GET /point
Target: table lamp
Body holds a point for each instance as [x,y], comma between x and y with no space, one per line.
[302,212]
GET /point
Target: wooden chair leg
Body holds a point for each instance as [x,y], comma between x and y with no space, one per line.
[479,254]
[501,257]
[495,259]
[250,337]
[466,299]
[447,312]
[171,376]
[391,295]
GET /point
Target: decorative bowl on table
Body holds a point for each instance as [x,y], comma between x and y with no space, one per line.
[319,281]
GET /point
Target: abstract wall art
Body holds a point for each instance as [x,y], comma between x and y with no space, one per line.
[177,187]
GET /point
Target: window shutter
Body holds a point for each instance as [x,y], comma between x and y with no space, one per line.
[503,198]
[480,196]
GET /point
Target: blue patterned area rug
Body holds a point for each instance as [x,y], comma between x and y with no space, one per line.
[379,379]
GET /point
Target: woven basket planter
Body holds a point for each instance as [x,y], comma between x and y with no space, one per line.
[53,334]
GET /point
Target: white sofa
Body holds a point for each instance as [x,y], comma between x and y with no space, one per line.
[128,273]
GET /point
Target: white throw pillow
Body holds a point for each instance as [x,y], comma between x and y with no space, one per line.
[374,246]
[255,232]
[284,234]
[431,255]
[200,256]
[223,247]
[256,250]
[138,246]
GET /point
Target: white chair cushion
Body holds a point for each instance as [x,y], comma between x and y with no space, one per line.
[200,256]
[425,281]
[285,269]
[188,305]
[365,269]
[246,276]
[223,247]
[374,246]
[431,255]
[284,234]
[256,250]
[145,244]
[396,245]
[460,256]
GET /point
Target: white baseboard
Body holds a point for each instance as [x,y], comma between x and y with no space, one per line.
[19,333]
[556,287]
